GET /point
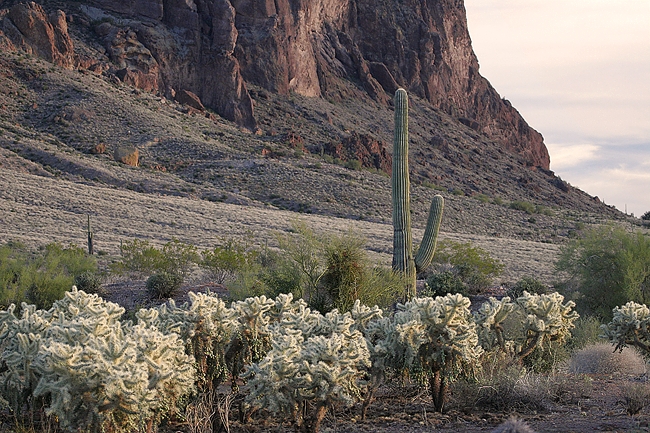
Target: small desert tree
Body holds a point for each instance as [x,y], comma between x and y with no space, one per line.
[606,268]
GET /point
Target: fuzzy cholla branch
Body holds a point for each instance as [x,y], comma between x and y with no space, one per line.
[313,358]
[630,326]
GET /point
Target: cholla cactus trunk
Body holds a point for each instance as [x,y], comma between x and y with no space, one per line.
[402,238]
[403,260]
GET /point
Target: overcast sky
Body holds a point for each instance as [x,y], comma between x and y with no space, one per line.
[579,73]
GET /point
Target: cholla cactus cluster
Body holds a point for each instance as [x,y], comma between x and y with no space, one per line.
[97,371]
[544,318]
[314,358]
[629,327]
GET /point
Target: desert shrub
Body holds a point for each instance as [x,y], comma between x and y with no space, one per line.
[526,284]
[646,216]
[525,206]
[502,385]
[585,333]
[226,262]
[605,268]
[89,282]
[599,358]
[444,282]
[472,265]
[164,284]
[344,273]
[40,277]
[636,396]
[303,251]
[142,258]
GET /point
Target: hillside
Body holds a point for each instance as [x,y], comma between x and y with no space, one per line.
[200,177]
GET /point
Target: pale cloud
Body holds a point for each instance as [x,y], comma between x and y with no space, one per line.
[579,72]
[566,156]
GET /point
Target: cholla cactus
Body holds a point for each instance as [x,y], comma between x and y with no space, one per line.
[20,338]
[544,318]
[630,326]
[434,335]
[96,372]
[313,358]
[206,325]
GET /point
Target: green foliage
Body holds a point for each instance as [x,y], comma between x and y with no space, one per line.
[142,258]
[89,282]
[525,206]
[605,268]
[472,265]
[444,282]
[226,262]
[40,277]
[646,216]
[345,271]
[164,285]
[526,284]
[585,333]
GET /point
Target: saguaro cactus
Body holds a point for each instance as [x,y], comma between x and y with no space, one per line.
[91,249]
[403,258]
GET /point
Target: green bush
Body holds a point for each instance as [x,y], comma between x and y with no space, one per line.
[607,267]
[40,277]
[526,284]
[442,283]
[225,262]
[525,206]
[142,258]
[646,216]
[89,282]
[472,265]
[164,284]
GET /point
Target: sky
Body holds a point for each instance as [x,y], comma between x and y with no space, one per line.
[579,73]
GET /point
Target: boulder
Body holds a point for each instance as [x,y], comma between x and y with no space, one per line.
[127,155]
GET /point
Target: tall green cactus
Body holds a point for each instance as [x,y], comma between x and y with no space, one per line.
[91,249]
[403,257]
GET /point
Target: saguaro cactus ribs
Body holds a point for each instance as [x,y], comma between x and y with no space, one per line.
[403,258]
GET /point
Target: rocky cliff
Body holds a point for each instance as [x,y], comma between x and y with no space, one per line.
[333,49]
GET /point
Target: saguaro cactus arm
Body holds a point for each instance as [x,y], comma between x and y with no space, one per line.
[403,260]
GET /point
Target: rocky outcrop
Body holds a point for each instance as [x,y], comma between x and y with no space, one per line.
[316,48]
[363,148]
[30,29]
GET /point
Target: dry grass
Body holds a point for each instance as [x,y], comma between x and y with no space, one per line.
[601,359]
[37,210]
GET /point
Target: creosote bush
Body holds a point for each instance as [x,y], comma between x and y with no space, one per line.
[472,266]
[40,277]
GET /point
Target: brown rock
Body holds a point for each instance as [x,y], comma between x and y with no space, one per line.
[370,152]
[98,149]
[190,99]
[30,29]
[127,155]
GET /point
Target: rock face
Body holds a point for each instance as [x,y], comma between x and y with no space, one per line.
[317,48]
[29,28]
